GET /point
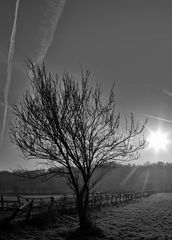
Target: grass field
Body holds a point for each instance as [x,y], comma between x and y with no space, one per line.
[146,218]
[149,218]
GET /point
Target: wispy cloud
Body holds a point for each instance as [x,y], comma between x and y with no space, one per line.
[167,92]
[9,68]
[55,9]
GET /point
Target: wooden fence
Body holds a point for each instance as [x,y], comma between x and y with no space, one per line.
[27,205]
[99,200]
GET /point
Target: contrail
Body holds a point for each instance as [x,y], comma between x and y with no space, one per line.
[154,117]
[3,104]
[16,64]
[9,68]
[55,9]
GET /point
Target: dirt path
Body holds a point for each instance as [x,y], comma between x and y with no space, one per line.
[147,218]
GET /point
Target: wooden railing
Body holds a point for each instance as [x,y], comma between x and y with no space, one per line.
[10,202]
[99,200]
[96,200]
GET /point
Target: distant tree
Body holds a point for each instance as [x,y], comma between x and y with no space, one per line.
[147,164]
[67,125]
[160,164]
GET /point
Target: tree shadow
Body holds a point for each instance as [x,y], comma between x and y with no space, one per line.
[91,231]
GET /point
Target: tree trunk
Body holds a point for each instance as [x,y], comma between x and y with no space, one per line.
[82,204]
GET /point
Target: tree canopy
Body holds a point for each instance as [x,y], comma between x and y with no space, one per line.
[66,124]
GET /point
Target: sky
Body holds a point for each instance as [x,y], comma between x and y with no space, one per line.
[121,41]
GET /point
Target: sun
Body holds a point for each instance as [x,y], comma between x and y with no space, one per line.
[158,140]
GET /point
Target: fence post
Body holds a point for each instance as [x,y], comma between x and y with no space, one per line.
[19,202]
[2,203]
[29,210]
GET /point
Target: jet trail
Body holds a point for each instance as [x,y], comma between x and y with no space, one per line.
[3,104]
[153,117]
[55,9]
[9,67]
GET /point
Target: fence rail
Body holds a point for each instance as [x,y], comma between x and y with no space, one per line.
[27,205]
[96,199]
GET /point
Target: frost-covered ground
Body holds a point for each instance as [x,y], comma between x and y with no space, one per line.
[147,218]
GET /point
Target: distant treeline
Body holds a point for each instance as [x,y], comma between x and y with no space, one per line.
[119,178]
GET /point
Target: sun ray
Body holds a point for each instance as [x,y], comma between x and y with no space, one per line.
[129,175]
[146,180]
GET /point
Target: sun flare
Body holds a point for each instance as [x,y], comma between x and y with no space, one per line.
[158,140]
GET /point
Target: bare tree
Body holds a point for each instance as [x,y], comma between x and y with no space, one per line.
[67,125]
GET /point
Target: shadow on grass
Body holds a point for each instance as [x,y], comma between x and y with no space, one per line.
[54,220]
[85,234]
[37,221]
